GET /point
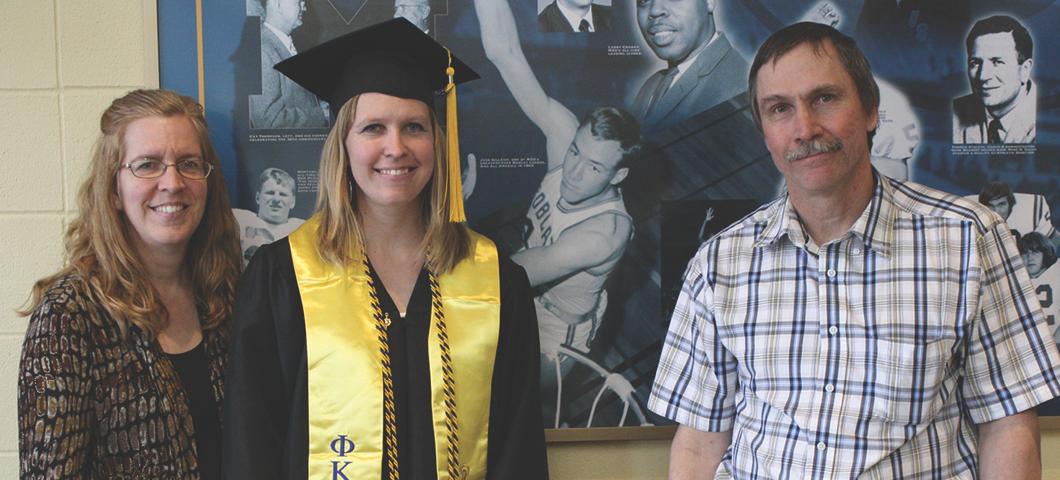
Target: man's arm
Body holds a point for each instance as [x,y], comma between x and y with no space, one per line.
[581,247]
[696,376]
[1010,447]
[695,454]
[500,40]
[1012,350]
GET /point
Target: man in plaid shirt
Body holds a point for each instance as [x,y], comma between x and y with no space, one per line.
[858,326]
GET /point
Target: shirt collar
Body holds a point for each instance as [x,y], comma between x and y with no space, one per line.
[1015,119]
[775,220]
[285,39]
[685,65]
[874,227]
[573,19]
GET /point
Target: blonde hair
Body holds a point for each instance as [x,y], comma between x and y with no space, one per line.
[341,234]
[97,243]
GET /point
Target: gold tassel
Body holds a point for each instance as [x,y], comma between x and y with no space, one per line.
[456,191]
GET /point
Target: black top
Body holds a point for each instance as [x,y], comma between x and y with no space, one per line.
[415,416]
[266,414]
[194,375]
[87,388]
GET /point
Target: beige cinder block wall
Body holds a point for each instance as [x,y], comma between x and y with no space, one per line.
[61,62]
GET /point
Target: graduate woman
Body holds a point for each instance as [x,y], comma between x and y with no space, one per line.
[383,338]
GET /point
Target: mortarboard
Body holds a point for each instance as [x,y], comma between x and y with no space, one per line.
[393,58]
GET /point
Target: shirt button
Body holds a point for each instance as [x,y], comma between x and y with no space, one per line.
[820,445]
[833,330]
[829,388]
[855,251]
[831,273]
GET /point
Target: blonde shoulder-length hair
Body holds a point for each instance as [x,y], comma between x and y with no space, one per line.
[340,235]
[98,250]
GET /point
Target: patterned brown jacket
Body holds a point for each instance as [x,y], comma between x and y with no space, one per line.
[93,405]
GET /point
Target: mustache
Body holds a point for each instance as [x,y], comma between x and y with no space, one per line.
[813,147]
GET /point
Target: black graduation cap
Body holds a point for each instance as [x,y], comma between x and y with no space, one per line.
[393,58]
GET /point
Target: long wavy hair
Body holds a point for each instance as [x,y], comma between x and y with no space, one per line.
[341,234]
[98,250]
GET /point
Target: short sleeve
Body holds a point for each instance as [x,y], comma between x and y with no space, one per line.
[1012,359]
[697,376]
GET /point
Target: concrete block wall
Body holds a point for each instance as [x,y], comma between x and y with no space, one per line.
[61,63]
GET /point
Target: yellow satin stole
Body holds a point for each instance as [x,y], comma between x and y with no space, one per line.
[344,360]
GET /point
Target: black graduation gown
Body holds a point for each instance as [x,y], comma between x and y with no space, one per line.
[266,430]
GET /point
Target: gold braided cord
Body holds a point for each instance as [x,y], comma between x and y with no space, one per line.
[448,384]
[389,414]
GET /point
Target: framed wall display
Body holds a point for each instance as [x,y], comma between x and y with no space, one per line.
[703,164]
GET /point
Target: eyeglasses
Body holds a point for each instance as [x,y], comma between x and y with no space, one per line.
[152,168]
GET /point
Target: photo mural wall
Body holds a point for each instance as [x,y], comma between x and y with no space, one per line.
[606,227]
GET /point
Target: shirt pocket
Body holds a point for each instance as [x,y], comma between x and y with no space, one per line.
[909,375]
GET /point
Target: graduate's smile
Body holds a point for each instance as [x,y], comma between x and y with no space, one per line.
[391,148]
[395,171]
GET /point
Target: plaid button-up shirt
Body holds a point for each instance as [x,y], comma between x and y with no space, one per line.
[873,355]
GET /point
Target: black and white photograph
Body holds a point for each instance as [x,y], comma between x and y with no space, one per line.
[599,158]
[897,135]
[576,227]
[698,66]
[282,103]
[574,16]
[1023,212]
[1029,218]
[327,19]
[1039,255]
[275,197]
[685,226]
[1003,103]
[416,11]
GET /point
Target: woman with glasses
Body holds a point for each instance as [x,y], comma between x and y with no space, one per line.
[123,360]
